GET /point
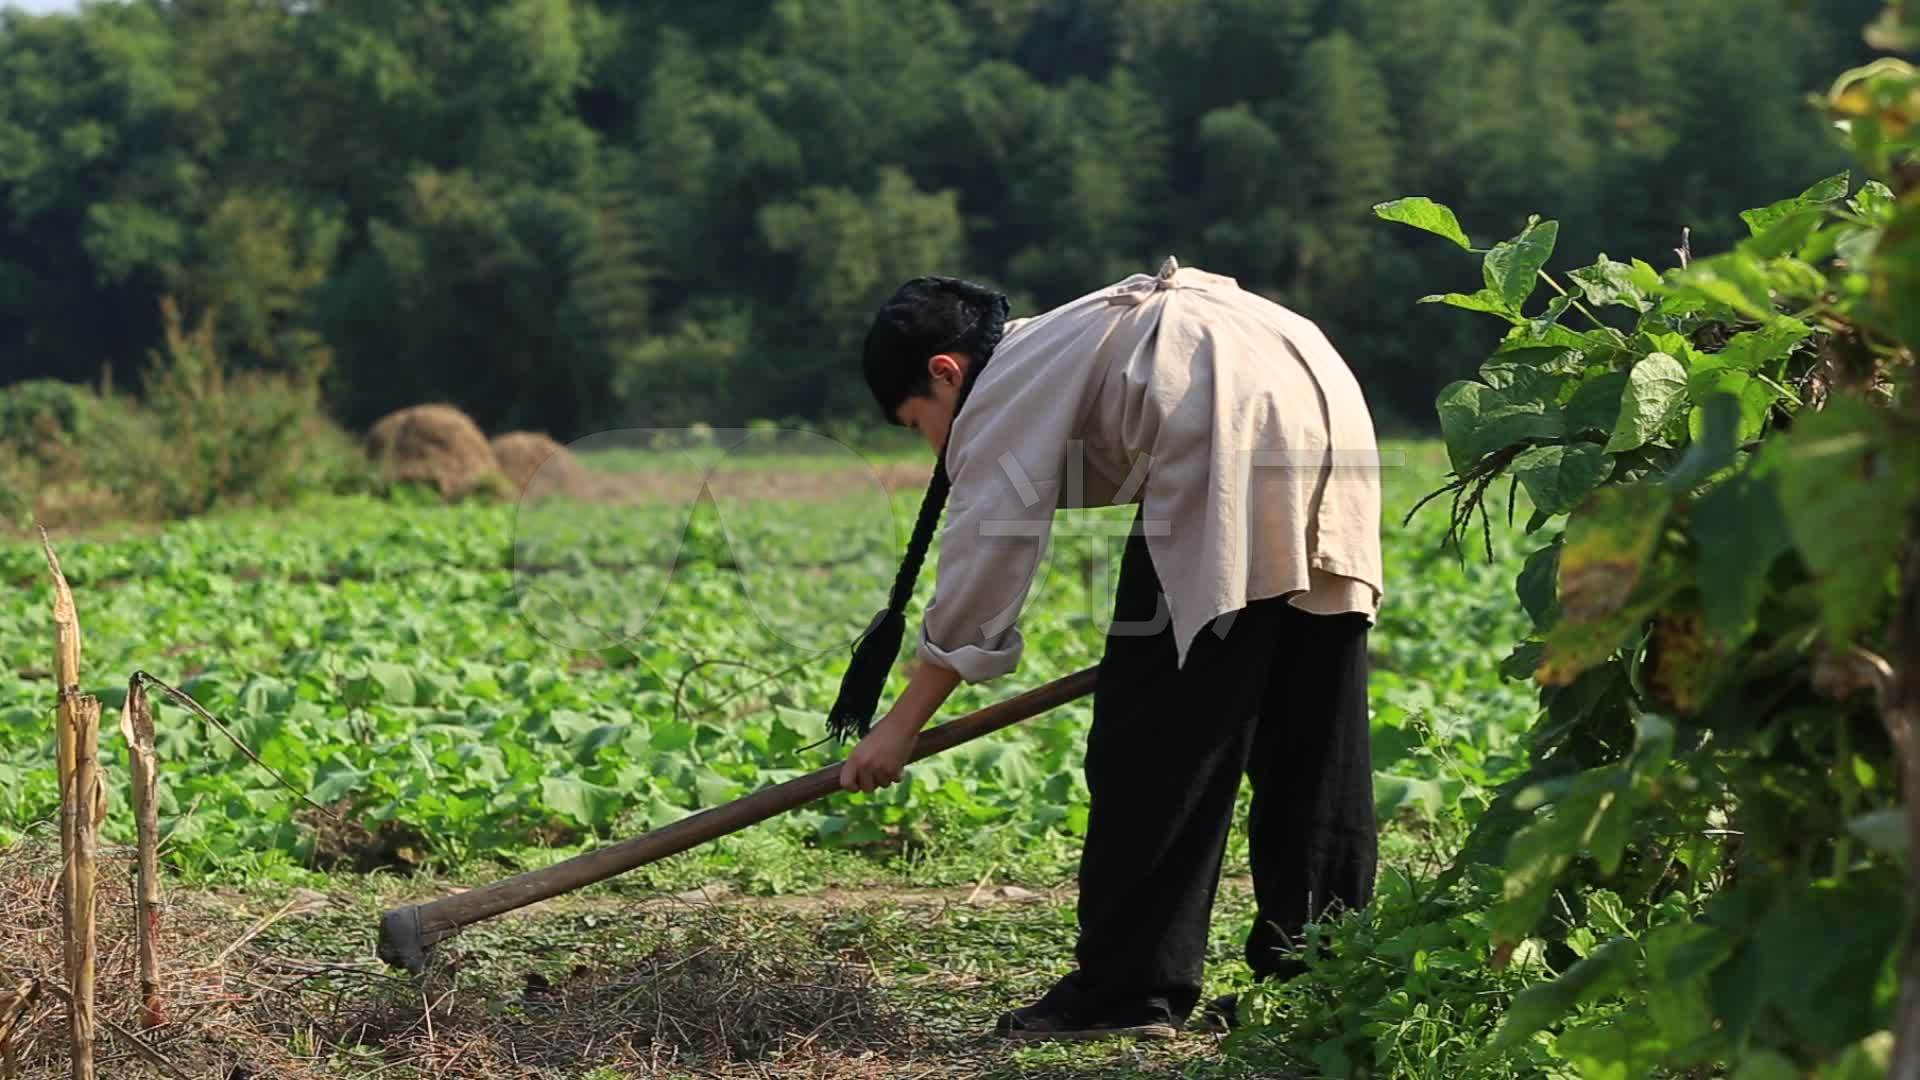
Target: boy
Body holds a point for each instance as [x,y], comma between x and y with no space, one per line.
[1245,593]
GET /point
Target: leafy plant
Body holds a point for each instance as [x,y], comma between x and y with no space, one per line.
[1724,463]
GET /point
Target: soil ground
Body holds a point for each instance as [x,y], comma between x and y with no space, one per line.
[705,982]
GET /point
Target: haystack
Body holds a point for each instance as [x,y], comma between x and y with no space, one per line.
[436,445]
[527,455]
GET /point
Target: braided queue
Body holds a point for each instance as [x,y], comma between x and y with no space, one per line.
[878,648]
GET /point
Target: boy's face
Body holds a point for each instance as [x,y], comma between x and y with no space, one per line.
[931,414]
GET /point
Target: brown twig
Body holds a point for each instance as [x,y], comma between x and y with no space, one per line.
[140,1047]
[136,726]
[183,699]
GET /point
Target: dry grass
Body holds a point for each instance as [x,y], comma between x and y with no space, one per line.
[540,467]
[435,445]
[292,992]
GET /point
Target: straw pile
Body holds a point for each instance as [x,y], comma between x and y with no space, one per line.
[435,445]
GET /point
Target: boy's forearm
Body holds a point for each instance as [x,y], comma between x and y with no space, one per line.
[927,690]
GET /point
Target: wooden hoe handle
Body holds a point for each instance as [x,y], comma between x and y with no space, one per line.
[407,933]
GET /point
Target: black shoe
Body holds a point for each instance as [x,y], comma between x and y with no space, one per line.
[1040,1023]
[1220,1015]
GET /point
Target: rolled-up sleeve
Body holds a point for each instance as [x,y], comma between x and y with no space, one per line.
[1007,455]
[990,551]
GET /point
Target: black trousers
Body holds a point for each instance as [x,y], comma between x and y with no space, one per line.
[1280,696]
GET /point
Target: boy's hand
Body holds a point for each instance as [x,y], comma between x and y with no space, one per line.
[880,758]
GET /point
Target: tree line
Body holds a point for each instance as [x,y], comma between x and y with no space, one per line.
[578,214]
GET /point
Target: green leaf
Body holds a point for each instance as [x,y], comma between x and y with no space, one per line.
[1845,482]
[1766,1065]
[395,683]
[1740,532]
[1540,324]
[1757,348]
[1884,831]
[1874,201]
[1485,300]
[1424,214]
[1832,189]
[1476,419]
[1595,405]
[1786,236]
[1736,280]
[1822,947]
[1607,282]
[1607,547]
[335,781]
[1535,586]
[1392,793]
[1713,448]
[1626,1048]
[1558,477]
[1521,663]
[1869,1059]
[1513,267]
[580,801]
[1604,971]
[1656,392]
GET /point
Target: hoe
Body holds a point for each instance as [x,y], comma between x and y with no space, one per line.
[408,934]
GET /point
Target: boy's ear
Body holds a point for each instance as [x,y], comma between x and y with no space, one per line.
[942,366]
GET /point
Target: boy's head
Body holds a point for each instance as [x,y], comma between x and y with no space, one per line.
[923,344]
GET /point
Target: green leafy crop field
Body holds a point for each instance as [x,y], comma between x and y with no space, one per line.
[468,682]
[476,689]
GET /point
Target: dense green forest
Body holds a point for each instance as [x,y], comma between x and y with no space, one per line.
[574,214]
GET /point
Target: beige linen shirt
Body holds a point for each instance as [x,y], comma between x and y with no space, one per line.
[1230,420]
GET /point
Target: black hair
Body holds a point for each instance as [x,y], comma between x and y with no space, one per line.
[924,317]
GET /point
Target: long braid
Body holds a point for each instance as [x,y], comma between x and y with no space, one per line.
[878,648]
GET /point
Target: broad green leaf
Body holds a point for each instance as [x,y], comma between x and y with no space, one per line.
[1894,274]
[1832,189]
[1884,831]
[1845,482]
[579,801]
[1740,532]
[1540,324]
[1755,398]
[1607,546]
[1679,958]
[1766,1065]
[1558,477]
[1535,586]
[1714,445]
[1627,1047]
[335,782]
[1756,349]
[395,683]
[1513,266]
[1869,1059]
[1656,392]
[1485,300]
[1607,282]
[1476,420]
[1874,201]
[1736,280]
[1531,374]
[1606,550]
[1595,405]
[1786,236]
[1822,946]
[1604,971]
[1392,793]
[1424,214]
